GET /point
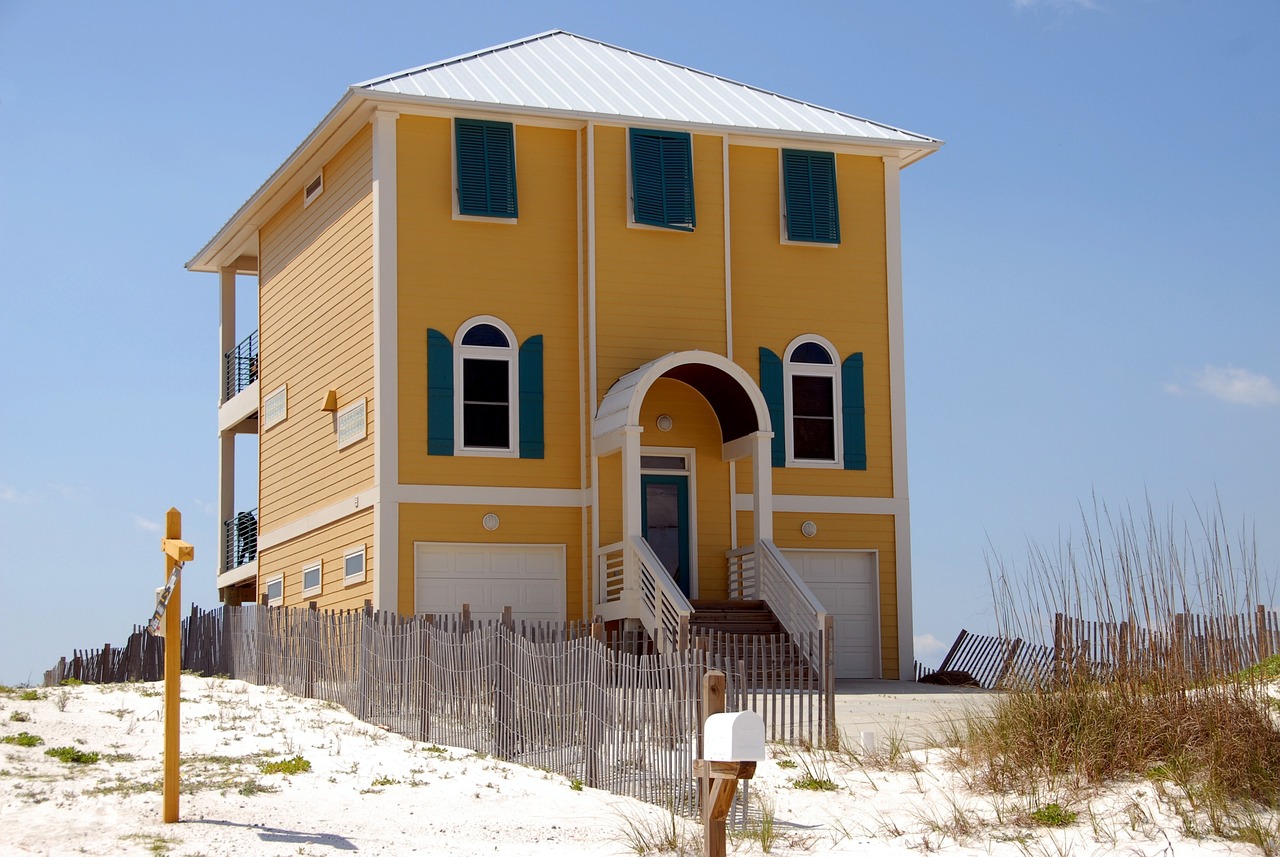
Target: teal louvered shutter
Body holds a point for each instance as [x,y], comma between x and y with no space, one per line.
[813,211]
[662,179]
[486,168]
[439,394]
[771,387]
[531,431]
[854,413]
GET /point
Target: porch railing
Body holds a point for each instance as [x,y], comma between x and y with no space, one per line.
[761,572]
[240,540]
[240,367]
[633,581]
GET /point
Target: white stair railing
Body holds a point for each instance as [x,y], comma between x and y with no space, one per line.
[632,583]
[761,572]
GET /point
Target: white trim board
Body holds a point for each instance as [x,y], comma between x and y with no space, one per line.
[484,495]
[319,518]
[819,504]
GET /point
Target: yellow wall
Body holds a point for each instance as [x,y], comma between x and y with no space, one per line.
[525,273]
[327,545]
[522,525]
[316,313]
[781,291]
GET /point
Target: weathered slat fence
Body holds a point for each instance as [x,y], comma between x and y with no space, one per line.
[559,696]
[1199,646]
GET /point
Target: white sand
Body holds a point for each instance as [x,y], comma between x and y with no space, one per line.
[376,793]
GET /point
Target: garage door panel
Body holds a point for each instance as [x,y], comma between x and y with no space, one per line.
[528,578]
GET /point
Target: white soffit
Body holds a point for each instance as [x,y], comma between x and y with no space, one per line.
[561,72]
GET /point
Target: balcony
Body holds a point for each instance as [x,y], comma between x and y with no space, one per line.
[239,408]
[239,548]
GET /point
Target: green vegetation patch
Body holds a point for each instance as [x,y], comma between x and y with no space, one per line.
[31,695]
[812,783]
[1053,815]
[72,756]
[23,739]
[296,765]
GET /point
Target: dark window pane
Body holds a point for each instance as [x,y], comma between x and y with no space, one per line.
[486,335]
[662,462]
[815,438]
[810,352]
[812,396]
[486,426]
[485,381]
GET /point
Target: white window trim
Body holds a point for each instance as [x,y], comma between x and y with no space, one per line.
[272,581]
[318,567]
[453,158]
[782,206]
[283,392]
[361,403]
[309,195]
[351,579]
[512,357]
[831,371]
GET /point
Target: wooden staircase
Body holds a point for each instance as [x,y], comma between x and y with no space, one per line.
[767,662]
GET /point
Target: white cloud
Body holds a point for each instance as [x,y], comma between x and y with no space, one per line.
[1237,386]
[927,644]
[146,524]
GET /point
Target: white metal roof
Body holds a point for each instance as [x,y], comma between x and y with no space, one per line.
[565,73]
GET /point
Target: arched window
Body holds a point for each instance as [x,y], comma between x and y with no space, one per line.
[811,389]
[486,416]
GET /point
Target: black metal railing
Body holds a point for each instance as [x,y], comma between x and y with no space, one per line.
[240,540]
[240,366]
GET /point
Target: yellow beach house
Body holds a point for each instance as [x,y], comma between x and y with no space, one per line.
[566,328]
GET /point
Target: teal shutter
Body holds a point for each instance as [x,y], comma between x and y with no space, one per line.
[771,387]
[439,394]
[854,413]
[486,155]
[662,179]
[813,211]
[531,431]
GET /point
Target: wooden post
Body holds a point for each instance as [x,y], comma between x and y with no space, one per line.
[176,552]
[713,830]
[1262,634]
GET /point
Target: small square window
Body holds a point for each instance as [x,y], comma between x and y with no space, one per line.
[275,591]
[353,565]
[352,424]
[486,164]
[275,407]
[662,179]
[312,578]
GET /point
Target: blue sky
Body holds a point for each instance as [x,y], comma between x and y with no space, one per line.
[1090,262]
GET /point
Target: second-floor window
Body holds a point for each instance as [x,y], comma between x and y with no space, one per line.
[485,154]
[486,418]
[811,208]
[662,179]
[812,391]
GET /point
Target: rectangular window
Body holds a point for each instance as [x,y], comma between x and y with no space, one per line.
[486,404]
[662,179]
[814,417]
[275,407]
[352,424]
[809,193]
[312,579]
[486,161]
[314,188]
[353,565]
[275,591]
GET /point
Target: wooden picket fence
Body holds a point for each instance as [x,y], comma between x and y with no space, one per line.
[1197,645]
[559,696]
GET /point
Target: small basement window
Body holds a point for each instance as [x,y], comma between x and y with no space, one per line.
[314,188]
[275,407]
[312,578]
[352,424]
[275,591]
[353,565]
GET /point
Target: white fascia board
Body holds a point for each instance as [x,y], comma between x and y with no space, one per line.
[484,495]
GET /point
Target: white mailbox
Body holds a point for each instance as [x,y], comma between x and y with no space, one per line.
[736,737]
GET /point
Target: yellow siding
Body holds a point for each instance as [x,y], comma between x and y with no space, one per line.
[521,525]
[658,290]
[524,273]
[781,291]
[694,426]
[851,532]
[316,313]
[328,545]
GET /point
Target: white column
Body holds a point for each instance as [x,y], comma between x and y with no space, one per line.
[632,516]
[762,485]
[386,466]
[227,439]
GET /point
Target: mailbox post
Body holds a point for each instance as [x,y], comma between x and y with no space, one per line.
[731,746]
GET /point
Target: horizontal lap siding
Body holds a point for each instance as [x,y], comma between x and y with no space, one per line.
[524,273]
[529,525]
[781,291]
[316,335]
[327,544]
[657,290]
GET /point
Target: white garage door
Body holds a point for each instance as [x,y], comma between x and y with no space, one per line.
[527,578]
[846,584]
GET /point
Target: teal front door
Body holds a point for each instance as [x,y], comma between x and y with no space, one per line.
[665,521]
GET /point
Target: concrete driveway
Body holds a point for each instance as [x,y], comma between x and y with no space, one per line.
[918,715]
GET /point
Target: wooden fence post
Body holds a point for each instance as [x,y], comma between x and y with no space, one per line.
[1262,634]
[713,698]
